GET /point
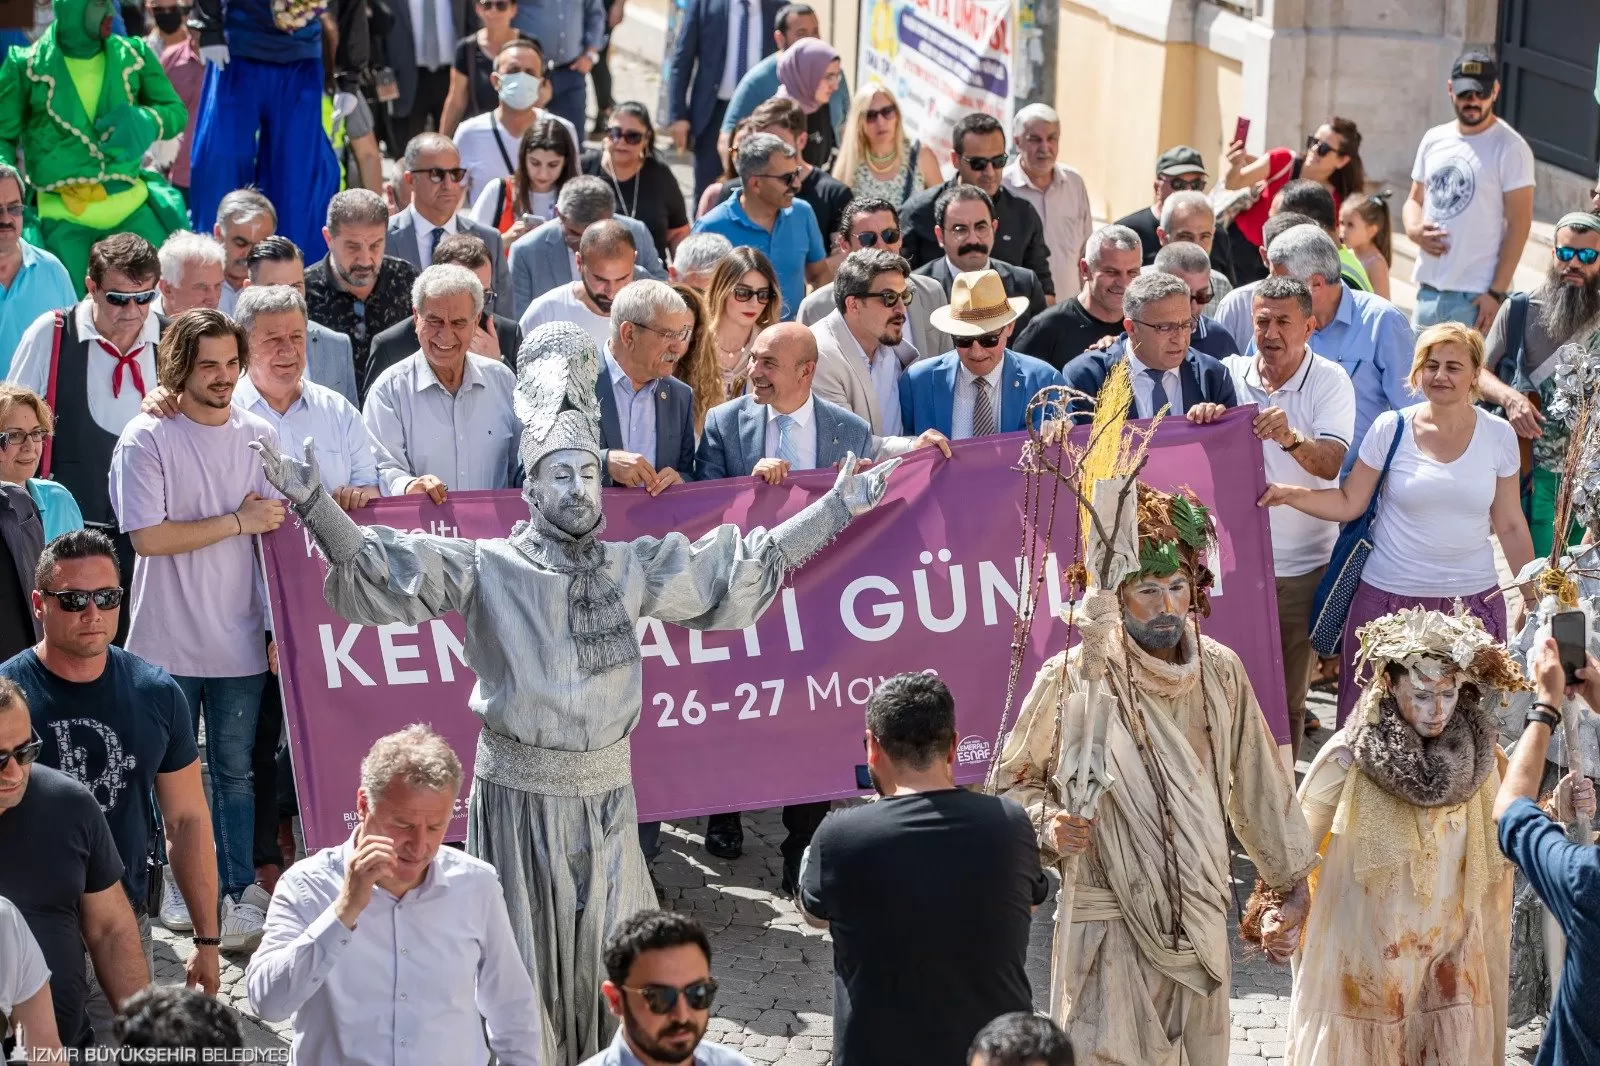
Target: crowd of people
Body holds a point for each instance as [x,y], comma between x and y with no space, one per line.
[181,307]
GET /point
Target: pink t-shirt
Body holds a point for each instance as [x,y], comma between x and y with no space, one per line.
[186,71]
[202,613]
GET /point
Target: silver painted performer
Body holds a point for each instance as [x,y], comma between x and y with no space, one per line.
[550,632]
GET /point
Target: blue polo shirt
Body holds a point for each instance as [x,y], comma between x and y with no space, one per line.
[794,243]
[41,285]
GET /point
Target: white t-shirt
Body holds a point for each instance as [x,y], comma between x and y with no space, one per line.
[1431,535]
[1320,402]
[22,968]
[485,159]
[560,304]
[1464,179]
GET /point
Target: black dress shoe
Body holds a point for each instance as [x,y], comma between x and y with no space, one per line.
[724,836]
[790,885]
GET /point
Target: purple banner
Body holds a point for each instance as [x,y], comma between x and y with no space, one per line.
[773,714]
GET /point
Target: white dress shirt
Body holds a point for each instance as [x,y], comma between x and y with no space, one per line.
[424,230]
[345,455]
[738,11]
[467,440]
[417,981]
[1144,389]
[967,396]
[884,370]
[230,298]
[802,435]
[111,407]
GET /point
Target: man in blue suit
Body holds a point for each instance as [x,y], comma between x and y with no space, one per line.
[646,414]
[1166,372]
[982,387]
[718,42]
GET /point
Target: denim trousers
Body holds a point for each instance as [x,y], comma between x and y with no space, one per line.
[230,706]
[1444,305]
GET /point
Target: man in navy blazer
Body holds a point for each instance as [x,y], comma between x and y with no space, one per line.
[1159,320]
[646,414]
[707,63]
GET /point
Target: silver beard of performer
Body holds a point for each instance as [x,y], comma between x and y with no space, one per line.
[551,615]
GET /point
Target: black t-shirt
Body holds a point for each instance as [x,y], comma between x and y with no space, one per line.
[930,899]
[476,68]
[114,735]
[652,196]
[56,849]
[827,195]
[1144,223]
[1064,332]
[820,138]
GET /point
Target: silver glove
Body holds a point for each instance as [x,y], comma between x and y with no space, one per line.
[336,535]
[296,480]
[862,492]
[808,532]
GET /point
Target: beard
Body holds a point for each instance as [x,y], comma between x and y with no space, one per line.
[1162,633]
[1566,309]
[575,518]
[651,1047]
[602,302]
[354,277]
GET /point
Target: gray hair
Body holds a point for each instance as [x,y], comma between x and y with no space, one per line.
[1304,252]
[11,173]
[183,248]
[641,301]
[415,756]
[257,300]
[423,143]
[1277,287]
[700,253]
[1185,201]
[585,200]
[1185,256]
[242,205]
[756,152]
[1032,113]
[1149,288]
[856,272]
[1120,238]
[447,279]
[357,207]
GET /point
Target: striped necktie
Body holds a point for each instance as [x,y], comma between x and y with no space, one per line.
[786,450]
[983,423]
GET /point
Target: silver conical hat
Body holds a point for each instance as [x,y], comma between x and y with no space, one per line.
[557,368]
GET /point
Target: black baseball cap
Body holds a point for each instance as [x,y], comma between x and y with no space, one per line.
[1178,161]
[1474,72]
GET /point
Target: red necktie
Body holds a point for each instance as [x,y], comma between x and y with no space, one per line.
[129,362]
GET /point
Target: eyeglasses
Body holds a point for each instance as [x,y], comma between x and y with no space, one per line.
[76,601]
[744,294]
[868,238]
[123,299]
[13,210]
[13,438]
[438,174]
[988,340]
[1320,146]
[662,998]
[791,179]
[496,5]
[1168,329]
[883,112]
[1567,253]
[679,336]
[1187,184]
[24,755]
[981,163]
[359,309]
[889,297]
[617,133]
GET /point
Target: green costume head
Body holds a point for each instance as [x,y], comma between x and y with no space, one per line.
[82,26]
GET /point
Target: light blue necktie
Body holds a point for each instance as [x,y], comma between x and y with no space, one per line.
[786,450]
[1159,397]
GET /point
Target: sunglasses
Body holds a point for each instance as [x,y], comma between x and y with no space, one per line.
[1196,184]
[868,238]
[1201,298]
[1567,253]
[981,163]
[883,112]
[11,210]
[13,438]
[76,601]
[889,298]
[1320,146]
[988,340]
[26,754]
[662,998]
[744,294]
[123,299]
[496,5]
[617,133]
[791,179]
[1472,96]
[438,174]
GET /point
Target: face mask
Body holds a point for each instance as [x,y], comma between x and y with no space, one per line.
[519,91]
[169,19]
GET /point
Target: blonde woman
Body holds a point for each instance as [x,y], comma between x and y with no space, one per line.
[25,425]
[875,157]
[742,299]
[1452,482]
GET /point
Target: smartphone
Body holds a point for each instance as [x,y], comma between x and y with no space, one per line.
[1571,632]
[1241,129]
[864,778]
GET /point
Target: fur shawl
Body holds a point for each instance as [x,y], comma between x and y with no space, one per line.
[1443,771]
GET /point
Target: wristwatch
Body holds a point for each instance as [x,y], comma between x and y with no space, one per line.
[1546,713]
[1299,439]
[1497,294]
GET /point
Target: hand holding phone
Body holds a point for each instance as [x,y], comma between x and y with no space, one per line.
[1571,632]
[1241,130]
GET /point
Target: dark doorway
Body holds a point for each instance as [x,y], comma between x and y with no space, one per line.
[1547,52]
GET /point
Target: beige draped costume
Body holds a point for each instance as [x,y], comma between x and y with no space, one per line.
[1138,998]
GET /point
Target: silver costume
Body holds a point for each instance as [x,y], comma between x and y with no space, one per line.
[550,633]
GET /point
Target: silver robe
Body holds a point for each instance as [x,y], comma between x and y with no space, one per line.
[564,843]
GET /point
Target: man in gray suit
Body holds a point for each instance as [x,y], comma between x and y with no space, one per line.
[422,81]
[329,359]
[544,259]
[435,181]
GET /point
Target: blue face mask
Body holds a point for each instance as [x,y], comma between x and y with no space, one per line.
[519,91]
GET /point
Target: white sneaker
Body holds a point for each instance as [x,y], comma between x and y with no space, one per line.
[174,912]
[242,921]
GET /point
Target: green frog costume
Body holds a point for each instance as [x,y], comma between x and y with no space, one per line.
[81,106]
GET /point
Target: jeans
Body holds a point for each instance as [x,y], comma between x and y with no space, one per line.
[1444,305]
[231,706]
[569,96]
